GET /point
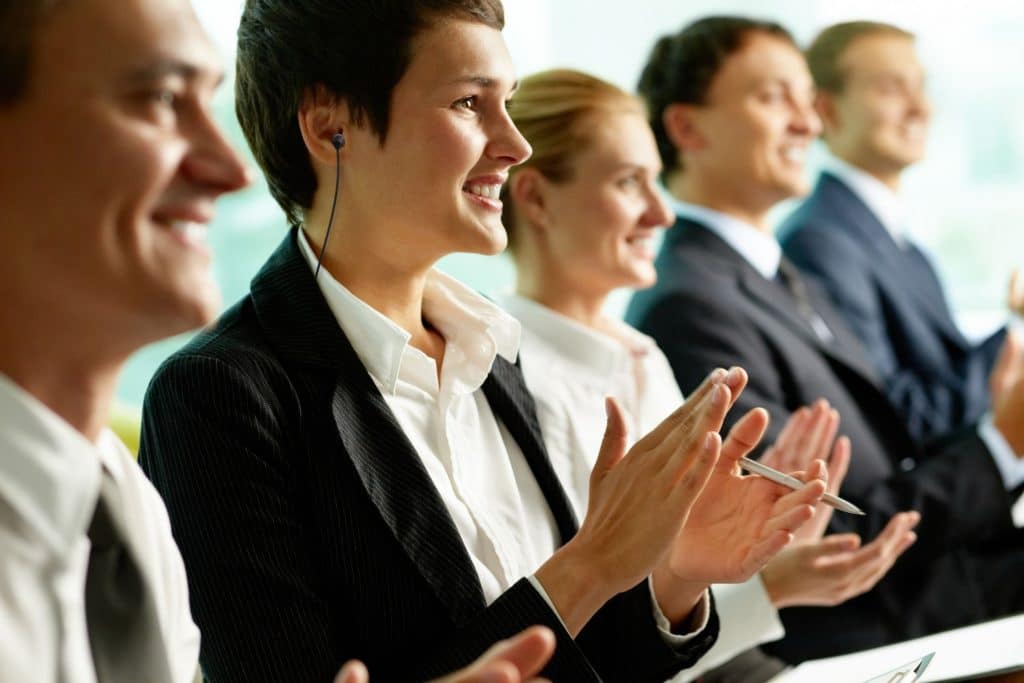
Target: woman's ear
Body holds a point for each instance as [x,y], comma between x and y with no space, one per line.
[323,123]
[527,188]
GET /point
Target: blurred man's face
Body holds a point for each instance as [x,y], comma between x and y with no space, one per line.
[879,122]
[109,167]
[754,131]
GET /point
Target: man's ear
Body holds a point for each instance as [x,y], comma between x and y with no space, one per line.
[321,118]
[682,126]
[825,105]
[528,189]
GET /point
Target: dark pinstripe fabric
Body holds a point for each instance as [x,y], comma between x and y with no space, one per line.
[312,532]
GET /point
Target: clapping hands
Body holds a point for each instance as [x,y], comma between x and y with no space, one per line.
[827,570]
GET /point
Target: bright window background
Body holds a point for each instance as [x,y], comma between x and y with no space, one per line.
[965,198]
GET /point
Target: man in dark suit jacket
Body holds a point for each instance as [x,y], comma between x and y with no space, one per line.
[850,233]
[732,147]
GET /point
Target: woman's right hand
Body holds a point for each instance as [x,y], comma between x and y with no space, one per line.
[638,501]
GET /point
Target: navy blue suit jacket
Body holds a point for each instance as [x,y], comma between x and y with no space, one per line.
[891,298]
[711,308]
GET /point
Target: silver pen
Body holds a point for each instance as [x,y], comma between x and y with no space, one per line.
[770,474]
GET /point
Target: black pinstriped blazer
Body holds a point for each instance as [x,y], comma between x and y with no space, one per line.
[310,529]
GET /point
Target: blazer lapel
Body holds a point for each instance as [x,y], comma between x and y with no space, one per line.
[512,403]
[773,296]
[775,304]
[397,482]
[299,324]
[902,269]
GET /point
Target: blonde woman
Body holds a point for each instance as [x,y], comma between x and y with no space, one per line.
[582,215]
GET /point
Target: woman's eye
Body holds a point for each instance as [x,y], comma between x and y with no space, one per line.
[631,182]
[467,103]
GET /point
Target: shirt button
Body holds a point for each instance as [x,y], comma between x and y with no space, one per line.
[907,464]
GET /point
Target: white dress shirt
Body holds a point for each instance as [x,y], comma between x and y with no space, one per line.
[886,205]
[762,252]
[49,485]
[569,369]
[478,469]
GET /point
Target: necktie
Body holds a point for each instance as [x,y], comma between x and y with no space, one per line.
[789,277]
[124,632]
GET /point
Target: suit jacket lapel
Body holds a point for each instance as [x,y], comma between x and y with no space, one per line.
[775,303]
[302,328]
[397,482]
[902,269]
[512,403]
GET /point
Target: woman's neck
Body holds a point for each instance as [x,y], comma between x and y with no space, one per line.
[381,278]
[551,290]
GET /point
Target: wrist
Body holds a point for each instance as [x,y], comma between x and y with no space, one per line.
[772,578]
[676,597]
[575,585]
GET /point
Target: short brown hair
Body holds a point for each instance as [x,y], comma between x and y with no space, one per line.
[683,65]
[19,24]
[827,49]
[554,111]
[357,50]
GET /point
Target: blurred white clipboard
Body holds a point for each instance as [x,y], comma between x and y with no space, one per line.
[908,673]
[962,654]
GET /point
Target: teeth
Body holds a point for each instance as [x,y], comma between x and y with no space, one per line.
[193,232]
[794,154]
[488,191]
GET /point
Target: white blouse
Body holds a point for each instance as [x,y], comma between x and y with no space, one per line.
[476,465]
[569,369]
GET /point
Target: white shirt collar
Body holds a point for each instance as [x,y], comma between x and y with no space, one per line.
[759,249]
[478,326]
[49,472]
[591,352]
[880,199]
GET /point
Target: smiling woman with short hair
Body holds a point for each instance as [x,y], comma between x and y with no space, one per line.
[350,458]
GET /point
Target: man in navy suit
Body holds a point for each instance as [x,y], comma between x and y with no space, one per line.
[850,233]
[731,104]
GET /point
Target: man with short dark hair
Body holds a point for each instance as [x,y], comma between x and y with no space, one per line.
[851,232]
[725,294]
[110,163]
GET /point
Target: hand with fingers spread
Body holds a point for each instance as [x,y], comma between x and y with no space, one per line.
[808,436]
[833,569]
[638,503]
[740,522]
[515,660]
[836,568]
